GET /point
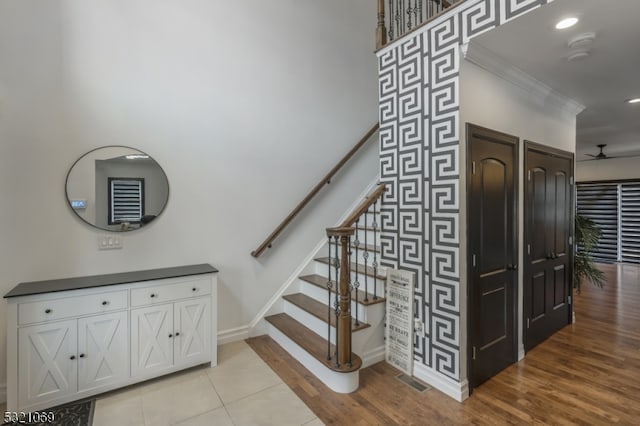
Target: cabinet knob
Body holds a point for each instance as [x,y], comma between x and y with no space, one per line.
[153,295]
[47,311]
[81,355]
[177,334]
[194,289]
[72,357]
[105,303]
[170,336]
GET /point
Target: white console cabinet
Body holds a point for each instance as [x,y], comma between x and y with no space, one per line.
[80,340]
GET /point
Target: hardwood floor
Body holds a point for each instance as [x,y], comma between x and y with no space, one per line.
[587,373]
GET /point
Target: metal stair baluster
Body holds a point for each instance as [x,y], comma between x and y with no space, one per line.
[356,283]
[329,285]
[375,252]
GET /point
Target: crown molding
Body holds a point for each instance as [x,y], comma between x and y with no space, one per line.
[538,92]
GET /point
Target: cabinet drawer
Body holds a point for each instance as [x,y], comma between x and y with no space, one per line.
[68,307]
[169,292]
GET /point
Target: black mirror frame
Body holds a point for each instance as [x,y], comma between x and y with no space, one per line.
[68,200]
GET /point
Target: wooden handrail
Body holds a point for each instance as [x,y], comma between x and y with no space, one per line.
[363,207]
[325,181]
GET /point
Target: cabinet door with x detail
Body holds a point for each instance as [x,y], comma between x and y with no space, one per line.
[103,351]
[48,366]
[151,339]
[193,331]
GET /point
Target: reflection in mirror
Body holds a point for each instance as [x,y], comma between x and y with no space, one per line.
[116,188]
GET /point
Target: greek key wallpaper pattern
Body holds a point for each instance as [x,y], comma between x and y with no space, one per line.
[419,162]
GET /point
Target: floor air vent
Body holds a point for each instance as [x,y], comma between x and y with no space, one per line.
[408,380]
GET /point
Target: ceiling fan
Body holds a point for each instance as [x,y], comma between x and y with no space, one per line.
[602,156]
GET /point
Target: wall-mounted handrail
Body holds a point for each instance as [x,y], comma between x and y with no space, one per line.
[325,181]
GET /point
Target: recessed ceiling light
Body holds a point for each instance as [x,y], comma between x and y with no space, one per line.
[566,23]
[634,101]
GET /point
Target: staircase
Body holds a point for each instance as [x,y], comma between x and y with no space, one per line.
[331,318]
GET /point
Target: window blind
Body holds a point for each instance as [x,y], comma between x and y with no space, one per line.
[630,222]
[599,202]
[126,200]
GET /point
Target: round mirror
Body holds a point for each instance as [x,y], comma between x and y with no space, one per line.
[117,188]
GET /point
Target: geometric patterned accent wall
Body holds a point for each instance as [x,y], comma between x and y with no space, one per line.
[419,163]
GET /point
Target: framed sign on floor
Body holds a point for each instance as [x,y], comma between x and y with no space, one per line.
[399,321]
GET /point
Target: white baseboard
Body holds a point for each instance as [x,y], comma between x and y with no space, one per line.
[373,356]
[521,352]
[456,390]
[233,335]
[3,393]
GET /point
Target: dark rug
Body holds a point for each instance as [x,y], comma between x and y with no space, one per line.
[77,413]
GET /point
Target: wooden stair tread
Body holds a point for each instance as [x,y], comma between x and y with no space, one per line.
[361,269]
[315,345]
[320,281]
[319,310]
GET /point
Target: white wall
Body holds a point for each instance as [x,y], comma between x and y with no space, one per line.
[244,104]
[613,169]
[490,101]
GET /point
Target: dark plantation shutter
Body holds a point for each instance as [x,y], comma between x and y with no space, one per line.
[126,197]
[599,202]
[630,222]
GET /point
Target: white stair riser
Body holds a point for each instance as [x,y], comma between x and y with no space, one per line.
[338,382]
[320,294]
[318,326]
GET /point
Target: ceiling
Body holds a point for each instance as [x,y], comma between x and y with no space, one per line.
[602,82]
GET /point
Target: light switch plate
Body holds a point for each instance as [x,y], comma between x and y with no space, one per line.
[109,242]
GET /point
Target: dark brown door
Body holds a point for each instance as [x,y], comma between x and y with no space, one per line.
[548,249]
[492,217]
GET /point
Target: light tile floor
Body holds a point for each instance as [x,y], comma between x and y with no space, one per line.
[241,390]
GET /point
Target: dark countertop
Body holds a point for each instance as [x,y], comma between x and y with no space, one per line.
[76,283]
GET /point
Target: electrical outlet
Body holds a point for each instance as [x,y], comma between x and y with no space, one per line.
[109,242]
[418,327]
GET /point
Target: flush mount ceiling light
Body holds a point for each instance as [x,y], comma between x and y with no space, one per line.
[566,23]
[633,101]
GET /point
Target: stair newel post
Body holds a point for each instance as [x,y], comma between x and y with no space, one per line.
[381,29]
[342,303]
[349,291]
[344,317]
[329,286]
